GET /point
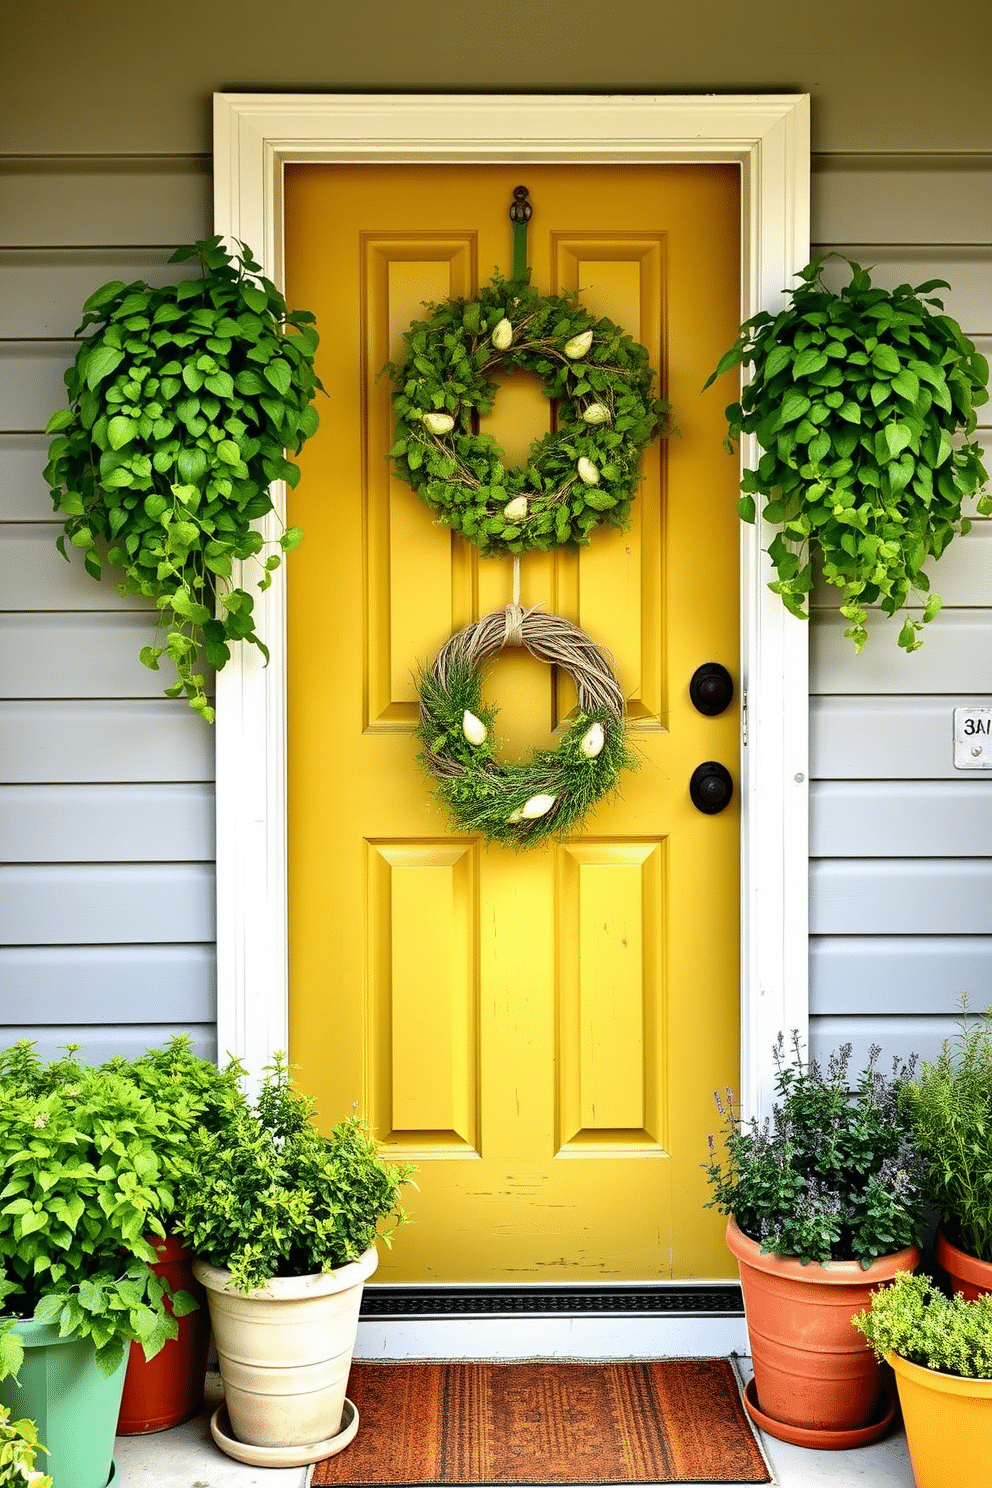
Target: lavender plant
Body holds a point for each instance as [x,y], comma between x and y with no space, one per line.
[833,1174]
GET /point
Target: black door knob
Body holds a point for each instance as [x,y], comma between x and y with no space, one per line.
[711,689]
[711,787]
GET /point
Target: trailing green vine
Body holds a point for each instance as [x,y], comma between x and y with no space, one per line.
[856,397]
[584,472]
[182,404]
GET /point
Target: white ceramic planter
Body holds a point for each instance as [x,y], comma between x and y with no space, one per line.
[285,1351]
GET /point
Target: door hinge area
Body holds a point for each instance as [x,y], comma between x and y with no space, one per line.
[744,717]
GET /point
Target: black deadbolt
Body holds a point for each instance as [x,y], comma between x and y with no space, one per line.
[711,689]
[711,787]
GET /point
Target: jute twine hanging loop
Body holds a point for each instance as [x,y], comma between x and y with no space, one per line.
[550,794]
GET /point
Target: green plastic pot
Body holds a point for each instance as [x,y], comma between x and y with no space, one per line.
[74,1404]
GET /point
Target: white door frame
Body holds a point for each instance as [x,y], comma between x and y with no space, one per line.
[255,135]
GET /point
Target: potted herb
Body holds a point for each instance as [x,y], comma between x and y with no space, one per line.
[19,1448]
[82,1185]
[189,1093]
[941,1351]
[856,398]
[182,402]
[284,1222]
[825,1203]
[950,1108]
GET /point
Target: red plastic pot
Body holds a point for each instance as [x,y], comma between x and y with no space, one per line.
[968,1275]
[812,1368]
[163,1391]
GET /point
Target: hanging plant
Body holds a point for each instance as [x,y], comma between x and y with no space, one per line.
[856,397]
[181,406]
[583,473]
[549,794]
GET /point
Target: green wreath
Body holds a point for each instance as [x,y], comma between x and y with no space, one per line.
[550,794]
[585,472]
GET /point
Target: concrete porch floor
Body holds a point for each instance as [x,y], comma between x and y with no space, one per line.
[187,1458]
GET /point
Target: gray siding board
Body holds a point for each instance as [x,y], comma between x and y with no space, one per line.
[77,656]
[48,286]
[901,819]
[35,576]
[24,496]
[898,1037]
[125,904]
[100,1043]
[956,656]
[895,975]
[106,823]
[907,896]
[32,383]
[156,739]
[907,738]
[108,984]
[79,202]
[862,199]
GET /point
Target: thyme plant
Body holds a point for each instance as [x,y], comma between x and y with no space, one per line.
[832,1176]
[912,1317]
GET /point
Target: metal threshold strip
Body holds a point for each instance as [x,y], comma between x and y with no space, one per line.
[710,1299]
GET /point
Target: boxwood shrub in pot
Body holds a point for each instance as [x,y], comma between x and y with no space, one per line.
[284,1221]
[825,1201]
[941,1351]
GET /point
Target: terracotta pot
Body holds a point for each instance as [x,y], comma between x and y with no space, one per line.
[812,1368]
[948,1426]
[285,1352]
[161,1392]
[968,1275]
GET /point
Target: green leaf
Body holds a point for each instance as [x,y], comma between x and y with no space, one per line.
[63,419]
[120,431]
[228,452]
[279,374]
[100,362]
[291,539]
[885,359]
[249,383]
[254,298]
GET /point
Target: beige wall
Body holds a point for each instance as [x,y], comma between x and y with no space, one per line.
[105,796]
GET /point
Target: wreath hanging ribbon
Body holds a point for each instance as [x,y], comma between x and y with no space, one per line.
[550,794]
[584,472]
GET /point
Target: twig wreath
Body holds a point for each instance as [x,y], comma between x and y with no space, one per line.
[550,794]
[583,473]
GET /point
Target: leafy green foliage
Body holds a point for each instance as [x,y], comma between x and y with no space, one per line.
[19,1448]
[181,405]
[449,368]
[276,1198]
[856,398]
[912,1318]
[950,1108]
[82,1187]
[484,795]
[833,1174]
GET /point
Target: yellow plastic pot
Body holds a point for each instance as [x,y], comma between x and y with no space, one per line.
[948,1426]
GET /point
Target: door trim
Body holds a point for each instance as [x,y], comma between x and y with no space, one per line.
[255,135]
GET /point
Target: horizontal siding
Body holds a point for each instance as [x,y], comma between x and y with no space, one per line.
[82,741]
[904,896]
[901,819]
[910,738]
[77,656]
[98,1044]
[84,202]
[47,286]
[35,576]
[106,823]
[956,657]
[920,974]
[864,198]
[897,1037]
[106,904]
[24,495]
[109,983]
[32,384]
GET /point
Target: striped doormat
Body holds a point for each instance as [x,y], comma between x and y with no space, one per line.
[664,1421]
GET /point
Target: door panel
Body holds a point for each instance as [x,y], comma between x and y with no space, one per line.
[542,1032]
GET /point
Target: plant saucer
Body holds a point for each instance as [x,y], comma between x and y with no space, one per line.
[300,1456]
[824,1440]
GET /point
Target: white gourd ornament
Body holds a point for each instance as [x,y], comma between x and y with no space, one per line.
[438,423]
[516,510]
[503,335]
[592,741]
[588,473]
[473,728]
[596,413]
[578,346]
[537,806]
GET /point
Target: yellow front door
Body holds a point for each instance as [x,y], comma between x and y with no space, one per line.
[541,1032]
